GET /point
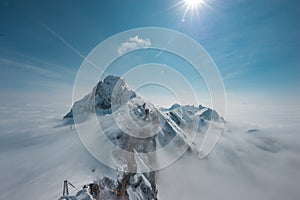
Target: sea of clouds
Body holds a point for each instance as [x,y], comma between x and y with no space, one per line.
[257,157]
[38,152]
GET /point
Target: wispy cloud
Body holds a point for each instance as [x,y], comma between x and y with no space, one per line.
[29,78]
[134,43]
[30,67]
[235,72]
[232,75]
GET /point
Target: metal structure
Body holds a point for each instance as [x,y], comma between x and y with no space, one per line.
[66,189]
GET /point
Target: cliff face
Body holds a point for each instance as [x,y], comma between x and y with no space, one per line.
[106,95]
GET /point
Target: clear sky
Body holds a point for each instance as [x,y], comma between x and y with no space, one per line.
[255,44]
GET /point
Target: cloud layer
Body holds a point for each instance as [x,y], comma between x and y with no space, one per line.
[259,164]
[262,164]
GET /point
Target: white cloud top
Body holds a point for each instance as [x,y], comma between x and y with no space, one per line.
[134,43]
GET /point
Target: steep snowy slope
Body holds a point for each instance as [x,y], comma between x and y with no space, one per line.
[107,95]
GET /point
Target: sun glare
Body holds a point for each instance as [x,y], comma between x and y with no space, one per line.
[192,7]
[193,4]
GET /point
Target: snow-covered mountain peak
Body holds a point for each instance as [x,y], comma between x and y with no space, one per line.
[106,96]
[139,138]
[111,93]
[134,116]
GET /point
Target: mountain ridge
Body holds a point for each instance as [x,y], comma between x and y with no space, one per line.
[132,124]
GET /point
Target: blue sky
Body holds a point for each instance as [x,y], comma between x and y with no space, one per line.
[255,44]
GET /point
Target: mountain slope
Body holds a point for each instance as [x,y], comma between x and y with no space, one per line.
[132,124]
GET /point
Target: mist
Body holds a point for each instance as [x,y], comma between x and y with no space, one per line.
[257,157]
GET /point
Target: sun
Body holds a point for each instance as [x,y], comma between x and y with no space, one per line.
[191,7]
[193,4]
